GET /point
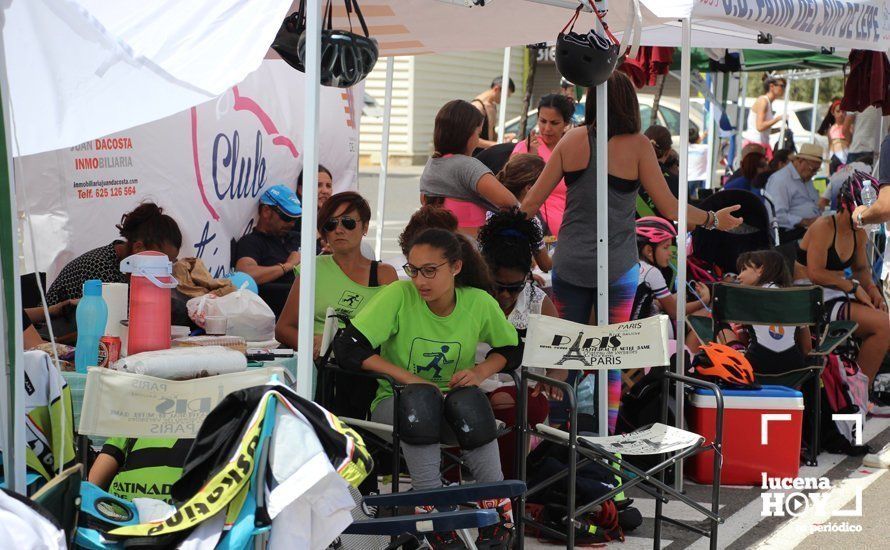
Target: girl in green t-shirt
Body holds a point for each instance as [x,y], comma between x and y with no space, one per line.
[427,330]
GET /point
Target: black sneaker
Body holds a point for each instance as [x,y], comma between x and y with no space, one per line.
[370,511]
[445,541]
[495,537]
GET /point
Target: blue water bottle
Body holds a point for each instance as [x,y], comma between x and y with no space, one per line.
[92,314]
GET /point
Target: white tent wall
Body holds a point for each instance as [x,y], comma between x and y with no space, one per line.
[77,68]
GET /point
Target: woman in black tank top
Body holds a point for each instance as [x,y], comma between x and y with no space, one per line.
[830,246]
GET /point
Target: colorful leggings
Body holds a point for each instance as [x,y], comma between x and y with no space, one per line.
[576,303]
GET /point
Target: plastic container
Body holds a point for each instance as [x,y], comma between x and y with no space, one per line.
[115,296]
[869,196]
[150,283]
[745,455]
[92,314]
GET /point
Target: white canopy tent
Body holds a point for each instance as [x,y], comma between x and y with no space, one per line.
[73,70]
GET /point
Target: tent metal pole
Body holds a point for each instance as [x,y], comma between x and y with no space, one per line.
[815,110]
[505,93]
[11,382]
[685,66]
[310,197]
[602,240]
[384,157]
[740,114]
[709,128]
[785,110]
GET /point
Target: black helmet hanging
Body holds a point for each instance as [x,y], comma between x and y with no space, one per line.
[346,58]
[586,59]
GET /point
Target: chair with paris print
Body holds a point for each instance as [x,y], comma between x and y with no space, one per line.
[559,344]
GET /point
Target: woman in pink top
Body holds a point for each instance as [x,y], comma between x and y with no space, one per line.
[555,113]
[455,179]
[838,142]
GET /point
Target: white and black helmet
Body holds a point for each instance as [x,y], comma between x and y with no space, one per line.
[585,59]
[346,57]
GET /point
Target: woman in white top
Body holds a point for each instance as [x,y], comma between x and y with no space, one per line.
[761,117]
[507,242]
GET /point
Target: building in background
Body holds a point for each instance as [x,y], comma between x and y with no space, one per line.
[421,85]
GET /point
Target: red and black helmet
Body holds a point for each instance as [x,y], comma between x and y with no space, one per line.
[725,365]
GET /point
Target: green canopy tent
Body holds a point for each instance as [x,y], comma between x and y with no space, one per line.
[769,60]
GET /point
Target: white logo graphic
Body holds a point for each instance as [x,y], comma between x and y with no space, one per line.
[794,496]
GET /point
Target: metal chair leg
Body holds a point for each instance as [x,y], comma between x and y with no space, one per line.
[573,471]
[818,420]
[521,456]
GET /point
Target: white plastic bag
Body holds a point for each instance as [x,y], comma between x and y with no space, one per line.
[247,315]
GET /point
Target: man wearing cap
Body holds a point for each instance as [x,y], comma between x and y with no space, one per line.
[791,192]
[270,252]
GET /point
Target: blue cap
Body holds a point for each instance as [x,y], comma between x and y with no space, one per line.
[284,199]
[92,287]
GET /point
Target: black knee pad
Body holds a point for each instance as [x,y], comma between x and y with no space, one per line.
[469,414]
[420,414]
[351,348]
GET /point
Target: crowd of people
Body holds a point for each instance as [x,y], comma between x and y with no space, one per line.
[448,316]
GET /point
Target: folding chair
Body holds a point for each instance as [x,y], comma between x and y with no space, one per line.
[556,343]
[60,498]
[118,403]
[797,306]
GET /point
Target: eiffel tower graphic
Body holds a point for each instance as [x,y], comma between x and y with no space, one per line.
[574,353]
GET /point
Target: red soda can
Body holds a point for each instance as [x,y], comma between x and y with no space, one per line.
[109,350]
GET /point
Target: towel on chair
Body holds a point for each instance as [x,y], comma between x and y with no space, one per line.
[183,363]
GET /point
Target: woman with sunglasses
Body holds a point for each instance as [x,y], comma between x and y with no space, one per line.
[345,280]
[507,243]
[455,179]
[427,330]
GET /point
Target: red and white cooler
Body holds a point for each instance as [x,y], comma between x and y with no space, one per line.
[761,434]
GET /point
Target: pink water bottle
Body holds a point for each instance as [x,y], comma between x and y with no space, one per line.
[150,283]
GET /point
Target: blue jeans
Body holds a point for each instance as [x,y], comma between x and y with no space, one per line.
[578,304]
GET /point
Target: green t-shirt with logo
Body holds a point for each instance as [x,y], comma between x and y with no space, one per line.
[335,289]
[148,467]
[432,347]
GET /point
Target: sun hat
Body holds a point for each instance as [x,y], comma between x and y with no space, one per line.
[284,198]
[809,151]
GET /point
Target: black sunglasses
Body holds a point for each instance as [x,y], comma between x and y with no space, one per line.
[348,223]
[283,216]
[512,288]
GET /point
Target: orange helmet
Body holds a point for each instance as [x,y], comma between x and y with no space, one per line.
[723,363]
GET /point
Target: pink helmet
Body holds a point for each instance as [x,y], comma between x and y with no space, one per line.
[653,230]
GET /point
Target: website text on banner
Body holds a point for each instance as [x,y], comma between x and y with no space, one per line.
[206,166]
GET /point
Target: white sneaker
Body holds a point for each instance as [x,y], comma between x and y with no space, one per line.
[878,459]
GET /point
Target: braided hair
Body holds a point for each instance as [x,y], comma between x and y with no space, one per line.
[509,240]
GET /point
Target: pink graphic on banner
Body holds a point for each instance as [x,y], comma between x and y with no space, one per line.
[199,180]
[241,103]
